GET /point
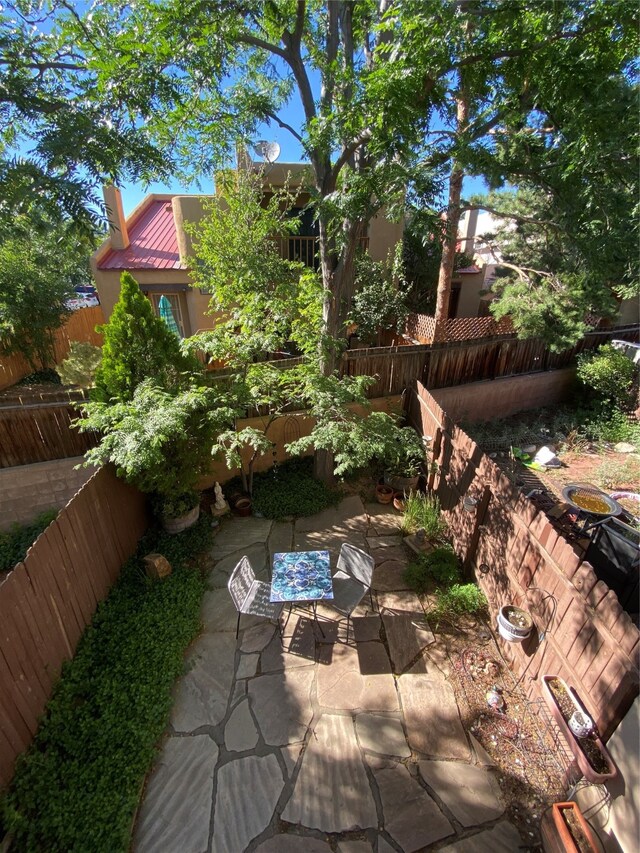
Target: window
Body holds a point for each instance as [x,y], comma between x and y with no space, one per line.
[174,299]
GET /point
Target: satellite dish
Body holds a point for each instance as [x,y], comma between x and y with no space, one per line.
[269,151]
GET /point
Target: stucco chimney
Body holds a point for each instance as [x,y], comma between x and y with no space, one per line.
[115,214]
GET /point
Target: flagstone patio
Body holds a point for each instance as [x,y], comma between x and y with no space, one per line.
[319,746]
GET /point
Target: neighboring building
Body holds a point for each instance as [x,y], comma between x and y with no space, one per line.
[471,287]
[152,244]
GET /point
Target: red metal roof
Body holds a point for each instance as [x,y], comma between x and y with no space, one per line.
[154,242]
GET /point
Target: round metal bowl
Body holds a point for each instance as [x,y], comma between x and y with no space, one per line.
[573,492]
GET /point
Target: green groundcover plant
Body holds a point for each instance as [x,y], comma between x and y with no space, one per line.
[78,785]
[15,543]
[291,489]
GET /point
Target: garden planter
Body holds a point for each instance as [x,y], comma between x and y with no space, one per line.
[591,754]
[242,507]
[402,484]
[565,830]
[177,525]
[514,624]
[399,501]
[384,494]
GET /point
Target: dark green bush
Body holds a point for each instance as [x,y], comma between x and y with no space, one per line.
[77,787]
[291,489]
[458,600]
[439,565]
[16,542]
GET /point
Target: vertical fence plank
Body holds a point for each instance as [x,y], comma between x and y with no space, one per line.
[47,601]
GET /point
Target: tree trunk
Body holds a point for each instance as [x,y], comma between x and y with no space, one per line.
[447,263]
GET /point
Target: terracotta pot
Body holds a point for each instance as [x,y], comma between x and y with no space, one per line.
[177,525]
[384,494]
[560,836]
[399,501]
[405,484]
[242,507]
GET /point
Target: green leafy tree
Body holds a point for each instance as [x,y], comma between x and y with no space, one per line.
[137,346]
[159,440]
[61,137]
[380,299]
[612,376]
[560,266]
[41,263]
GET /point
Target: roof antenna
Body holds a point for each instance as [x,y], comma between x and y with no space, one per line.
[269,151]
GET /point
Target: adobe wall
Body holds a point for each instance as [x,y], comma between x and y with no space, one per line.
[518,557]
[499,398]
[29,490]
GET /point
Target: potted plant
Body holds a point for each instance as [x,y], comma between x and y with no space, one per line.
[384,493]
[160,441]
[592,756]
[514,624]
[404,454]
[565,830]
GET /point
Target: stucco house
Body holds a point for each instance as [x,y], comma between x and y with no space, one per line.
[152,244]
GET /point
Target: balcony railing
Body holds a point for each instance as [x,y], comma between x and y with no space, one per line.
[305,249]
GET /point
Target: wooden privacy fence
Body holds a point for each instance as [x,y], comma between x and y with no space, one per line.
[444,365]
[48,600]
[588,639]
[79,327]
[39,433]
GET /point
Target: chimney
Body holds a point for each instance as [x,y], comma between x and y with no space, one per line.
[115,214]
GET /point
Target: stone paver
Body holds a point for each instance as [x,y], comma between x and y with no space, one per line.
[256,638]
[411,817]
[332,790]
[407,637]
[236,534]
[281,704]
[343,686]
[293,844]
[385,521]
[297,648]
[383,735]
[240,733]
[291,754]
[366,628]
[354,847]
[202,695]
[482,756]
[257,554]
[177,805]
[218,612]
[434,662]
[248,666]
[503,838]
[388,576]
[431,717]
[400,602]
[384,846]
[247,793]
[472,794]
[280,539]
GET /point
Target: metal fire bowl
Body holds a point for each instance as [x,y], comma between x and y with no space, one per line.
[573,489]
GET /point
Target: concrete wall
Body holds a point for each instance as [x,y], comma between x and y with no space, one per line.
[28,490]
[469,301]
[499,398]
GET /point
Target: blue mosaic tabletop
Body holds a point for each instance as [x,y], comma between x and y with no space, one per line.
[301,576]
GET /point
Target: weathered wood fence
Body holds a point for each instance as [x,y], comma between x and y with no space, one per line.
[30,434]
[47,601]
[79,327]
[588,638]
[443,365]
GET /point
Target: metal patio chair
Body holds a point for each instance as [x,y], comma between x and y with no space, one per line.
[251,596]
[352,581]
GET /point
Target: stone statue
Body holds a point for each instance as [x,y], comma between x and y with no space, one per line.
[221,506]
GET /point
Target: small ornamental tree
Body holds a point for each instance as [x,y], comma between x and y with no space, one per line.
[138,345]
[379,303]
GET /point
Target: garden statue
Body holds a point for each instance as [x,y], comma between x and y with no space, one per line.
[221,507]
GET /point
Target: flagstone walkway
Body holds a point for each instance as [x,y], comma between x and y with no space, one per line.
[319,746]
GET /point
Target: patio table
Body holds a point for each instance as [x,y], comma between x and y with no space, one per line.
[302,576]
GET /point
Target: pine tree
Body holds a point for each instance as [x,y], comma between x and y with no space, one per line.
[137,346]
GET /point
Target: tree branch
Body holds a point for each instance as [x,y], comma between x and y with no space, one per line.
[546,223]
[285,126]
[254,41]
[349,150]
